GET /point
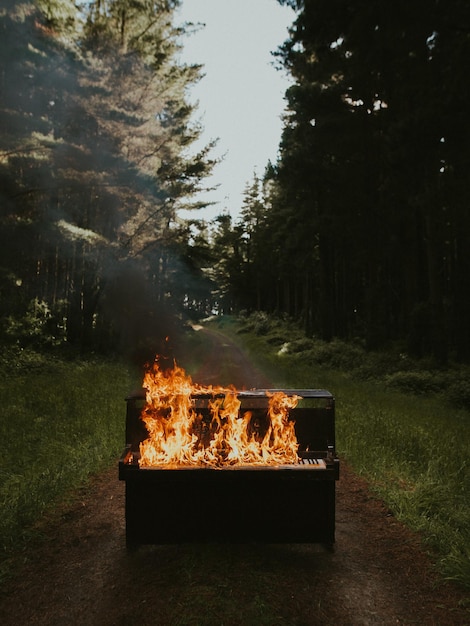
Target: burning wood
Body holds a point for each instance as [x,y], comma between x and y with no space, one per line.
[225,435]
[201,461]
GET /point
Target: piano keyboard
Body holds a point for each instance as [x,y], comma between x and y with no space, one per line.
[319,463]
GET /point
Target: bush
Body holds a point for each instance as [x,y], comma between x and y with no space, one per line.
[276,339]
[419,383]
[393,368]
[257,323]
[303,344]
[40,327]
[458,392]
[335,354]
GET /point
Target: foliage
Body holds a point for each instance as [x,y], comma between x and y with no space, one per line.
[39,327]
[95,165]
[390,368]
[419,383]
[357,231]
[258,323]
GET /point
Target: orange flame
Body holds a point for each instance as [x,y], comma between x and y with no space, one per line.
[179,435]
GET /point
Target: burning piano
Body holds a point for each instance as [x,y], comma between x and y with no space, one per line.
[217,464]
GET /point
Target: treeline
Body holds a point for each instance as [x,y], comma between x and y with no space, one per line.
[361,228]
[95,163]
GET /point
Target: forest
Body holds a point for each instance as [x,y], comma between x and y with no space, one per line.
[359,230]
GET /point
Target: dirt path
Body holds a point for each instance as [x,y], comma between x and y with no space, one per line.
[79,572]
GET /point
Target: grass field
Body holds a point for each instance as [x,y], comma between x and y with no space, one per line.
[413,449]
[62,421]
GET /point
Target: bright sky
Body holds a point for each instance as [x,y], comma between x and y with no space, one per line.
[241,97]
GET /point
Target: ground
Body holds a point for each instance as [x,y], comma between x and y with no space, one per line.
[80,573]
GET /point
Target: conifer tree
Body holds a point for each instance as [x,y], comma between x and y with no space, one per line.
[368,162]
[95,159]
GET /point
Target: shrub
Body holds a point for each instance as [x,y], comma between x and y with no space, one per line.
[335,354]
[419,383]
[301,345]
[257,323]
[458,392]
[276,339]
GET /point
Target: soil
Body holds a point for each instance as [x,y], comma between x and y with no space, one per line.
[78,572]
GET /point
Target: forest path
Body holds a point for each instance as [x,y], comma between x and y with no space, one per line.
[80,574]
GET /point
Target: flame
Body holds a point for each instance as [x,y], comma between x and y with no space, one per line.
[224,435]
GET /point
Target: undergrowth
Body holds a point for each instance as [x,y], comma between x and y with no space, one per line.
[393,369]
[406,429]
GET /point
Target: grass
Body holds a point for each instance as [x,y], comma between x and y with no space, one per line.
[61,422]
[413,448]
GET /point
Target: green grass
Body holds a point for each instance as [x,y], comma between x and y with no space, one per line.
[413,449]
[61,422]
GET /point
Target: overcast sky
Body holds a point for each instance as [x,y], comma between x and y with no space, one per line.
[241,97]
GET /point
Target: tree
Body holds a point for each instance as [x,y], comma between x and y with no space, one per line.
[367,203]
[95,159]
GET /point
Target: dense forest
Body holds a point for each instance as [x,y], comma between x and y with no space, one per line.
[94,166]
[359,230]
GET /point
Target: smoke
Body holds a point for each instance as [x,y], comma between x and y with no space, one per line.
[144,326]
[79,163]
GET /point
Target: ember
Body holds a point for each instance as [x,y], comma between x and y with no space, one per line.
[180,435]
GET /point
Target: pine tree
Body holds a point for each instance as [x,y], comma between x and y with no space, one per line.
[368,162]
[95,160]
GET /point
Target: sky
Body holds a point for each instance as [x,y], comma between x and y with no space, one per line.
[241,97]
